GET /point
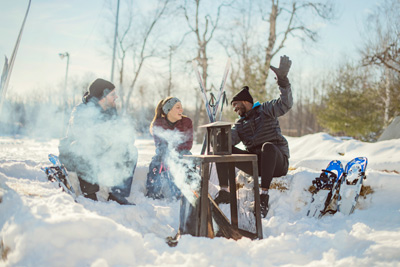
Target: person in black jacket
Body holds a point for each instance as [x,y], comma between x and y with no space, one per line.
[99,145]
[258,129]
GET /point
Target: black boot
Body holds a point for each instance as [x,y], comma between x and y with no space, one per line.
[264,198]
[88,189]
[119,200]
[92,196]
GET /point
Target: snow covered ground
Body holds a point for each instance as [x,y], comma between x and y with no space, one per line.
[42,226]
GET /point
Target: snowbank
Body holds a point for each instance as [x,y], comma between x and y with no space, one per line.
[42,226]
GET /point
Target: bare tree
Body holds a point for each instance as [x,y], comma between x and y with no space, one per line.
[382,37]
[172,51]
[382,50]
[203,28]
[123,48]
[239,43]
[281,21]
[133,40]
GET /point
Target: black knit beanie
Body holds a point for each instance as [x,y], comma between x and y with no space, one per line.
[100,88]
[243,95]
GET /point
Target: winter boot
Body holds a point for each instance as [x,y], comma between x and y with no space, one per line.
[88,189]
[120,200]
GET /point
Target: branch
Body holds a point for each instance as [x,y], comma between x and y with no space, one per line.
[325,11]
[204,41]
[187,17]
[389,54]
[142,56]
[288,30]
[217,20]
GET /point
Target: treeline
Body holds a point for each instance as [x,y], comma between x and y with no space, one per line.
[355,98]
[357,101]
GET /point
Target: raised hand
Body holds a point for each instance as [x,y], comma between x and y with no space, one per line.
[282,71]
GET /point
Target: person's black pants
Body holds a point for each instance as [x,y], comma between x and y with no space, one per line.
[271,163]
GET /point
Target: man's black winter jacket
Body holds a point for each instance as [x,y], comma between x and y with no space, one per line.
[260,124]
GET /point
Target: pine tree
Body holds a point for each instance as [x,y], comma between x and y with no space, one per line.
[350,106]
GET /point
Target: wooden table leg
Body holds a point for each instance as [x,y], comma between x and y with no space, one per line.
[257,208]
[232,189]
[205,176]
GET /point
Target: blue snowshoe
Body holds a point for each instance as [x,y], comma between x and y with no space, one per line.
[326,186]
[351,184]
[58,173]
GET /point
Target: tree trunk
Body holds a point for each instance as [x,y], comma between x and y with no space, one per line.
[271,43]
[387,97]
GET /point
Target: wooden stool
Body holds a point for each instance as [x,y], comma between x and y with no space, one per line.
[230,160]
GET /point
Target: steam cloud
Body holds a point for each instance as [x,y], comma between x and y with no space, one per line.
[106,148]
[183,170]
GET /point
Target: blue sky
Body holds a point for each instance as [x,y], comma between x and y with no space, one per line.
[79,27]
[53,27]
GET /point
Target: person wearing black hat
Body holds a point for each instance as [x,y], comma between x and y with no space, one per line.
[99,145]
[258,129]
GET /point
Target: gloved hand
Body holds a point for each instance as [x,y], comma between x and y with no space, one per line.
[282,71]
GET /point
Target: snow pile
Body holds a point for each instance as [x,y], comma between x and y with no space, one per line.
[42,226]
